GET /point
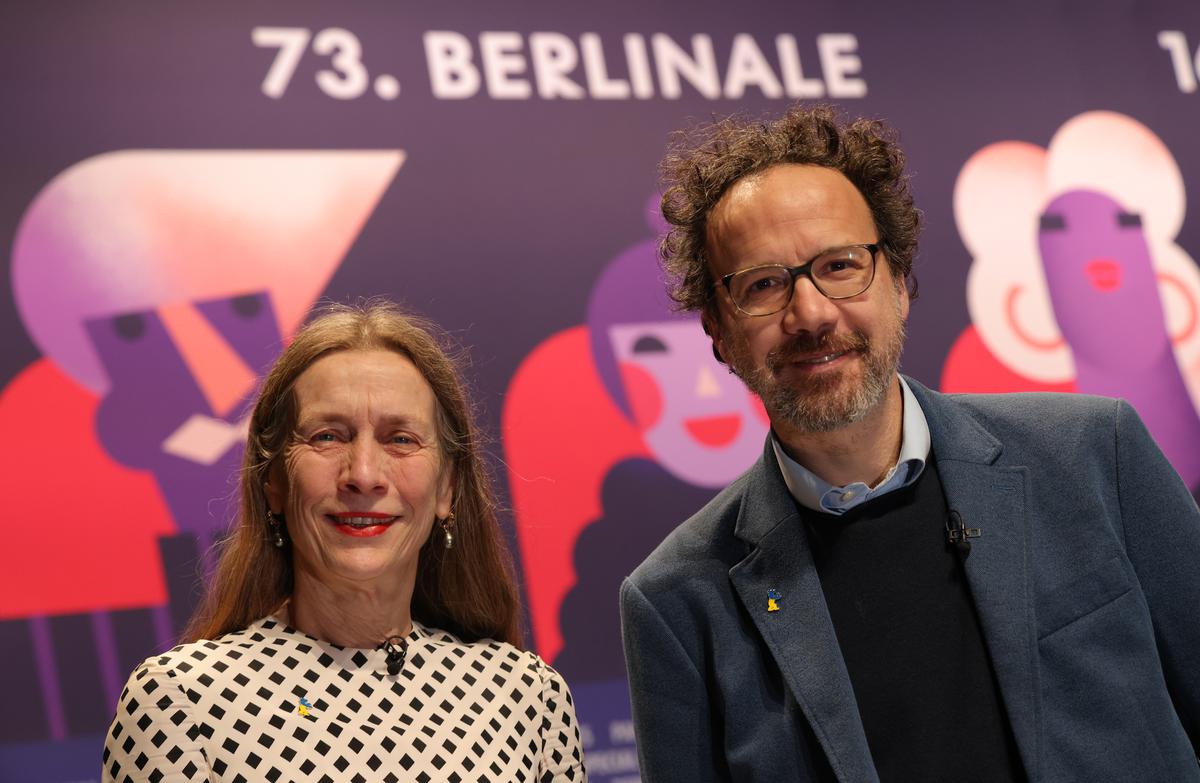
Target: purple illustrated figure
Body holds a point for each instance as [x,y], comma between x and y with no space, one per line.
[697,419]
[698,423]
[171,417]
[157,284]
[1106,301]
[1078,281]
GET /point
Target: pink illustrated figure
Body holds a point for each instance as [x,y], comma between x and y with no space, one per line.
[1076,281]
[614,433]
[1106,300]
[697,419]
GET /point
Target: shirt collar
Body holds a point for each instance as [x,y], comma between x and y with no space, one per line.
[815,493]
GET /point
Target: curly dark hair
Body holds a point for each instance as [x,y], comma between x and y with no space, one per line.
[703,163]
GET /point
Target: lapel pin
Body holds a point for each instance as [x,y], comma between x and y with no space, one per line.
[304,707]
[773,597]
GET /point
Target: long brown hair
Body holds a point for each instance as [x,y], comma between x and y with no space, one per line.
[468,590]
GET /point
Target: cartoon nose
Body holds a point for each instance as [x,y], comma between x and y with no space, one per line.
[222,376]
[706,384]
[1104,274]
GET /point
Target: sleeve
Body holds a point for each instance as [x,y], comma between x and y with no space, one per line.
[671,711]
[153,735]
[562,749]
[1161,526]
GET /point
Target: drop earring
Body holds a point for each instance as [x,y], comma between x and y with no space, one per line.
[275,528]
[448,529]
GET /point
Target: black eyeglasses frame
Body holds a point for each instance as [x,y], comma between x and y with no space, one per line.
[805,270]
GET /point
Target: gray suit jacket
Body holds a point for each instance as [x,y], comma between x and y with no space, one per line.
[1086,579]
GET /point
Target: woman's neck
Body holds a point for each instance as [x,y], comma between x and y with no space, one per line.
[349,616]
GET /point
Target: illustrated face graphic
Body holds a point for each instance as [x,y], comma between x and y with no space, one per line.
[132,231]
[1078,279]
[818,364]
[162,282]
[363,477]
[179,378]
[697,419]
[1096,260]
[1035,219]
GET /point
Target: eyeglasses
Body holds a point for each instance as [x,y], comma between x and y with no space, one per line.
[838,274]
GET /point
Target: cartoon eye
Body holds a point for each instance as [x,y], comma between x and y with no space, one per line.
[1052,222]
[1129,220]
[248,306]
[649,344]
[130,327]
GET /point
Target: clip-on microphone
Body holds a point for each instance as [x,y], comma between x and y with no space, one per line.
[395,654]
[959,536]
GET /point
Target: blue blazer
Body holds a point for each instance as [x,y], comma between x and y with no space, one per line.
[1086,580]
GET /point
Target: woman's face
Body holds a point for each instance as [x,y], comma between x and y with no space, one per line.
[362,476]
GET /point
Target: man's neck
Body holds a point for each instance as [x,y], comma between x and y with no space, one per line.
[863,451]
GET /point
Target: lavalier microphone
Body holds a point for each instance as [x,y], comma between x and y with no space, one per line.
[396,648]
[958,535]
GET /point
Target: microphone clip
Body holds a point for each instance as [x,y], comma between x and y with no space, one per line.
[396,648]
[958,535]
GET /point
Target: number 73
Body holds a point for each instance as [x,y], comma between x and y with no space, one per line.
[346,80]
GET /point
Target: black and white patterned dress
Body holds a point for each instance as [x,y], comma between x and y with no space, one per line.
[273,704]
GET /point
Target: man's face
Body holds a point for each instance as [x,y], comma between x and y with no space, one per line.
[819,364]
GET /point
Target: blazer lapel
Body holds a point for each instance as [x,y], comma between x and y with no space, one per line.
[991,497]
[799,634]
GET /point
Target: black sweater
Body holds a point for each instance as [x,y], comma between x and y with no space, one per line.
[911,639]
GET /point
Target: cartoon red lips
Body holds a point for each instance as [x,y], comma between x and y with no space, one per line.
[714,431]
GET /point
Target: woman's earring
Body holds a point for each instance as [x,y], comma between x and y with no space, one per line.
[276,529]
[448,529]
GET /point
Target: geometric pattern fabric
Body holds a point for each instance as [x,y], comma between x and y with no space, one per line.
[270,703]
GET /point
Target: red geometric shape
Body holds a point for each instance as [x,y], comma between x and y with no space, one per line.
[561,435]
[643,394]
[80,531]
[1104,274]
[714,431]
[971,367]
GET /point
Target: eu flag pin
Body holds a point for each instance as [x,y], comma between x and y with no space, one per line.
[773,597]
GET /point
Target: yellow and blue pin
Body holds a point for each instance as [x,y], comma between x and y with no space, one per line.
[304,707]
[773,598]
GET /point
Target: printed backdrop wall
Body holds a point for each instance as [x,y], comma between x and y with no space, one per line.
[181,182]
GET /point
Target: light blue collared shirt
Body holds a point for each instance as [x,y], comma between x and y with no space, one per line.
[811,491]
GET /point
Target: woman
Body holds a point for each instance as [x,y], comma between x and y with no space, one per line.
[362,623]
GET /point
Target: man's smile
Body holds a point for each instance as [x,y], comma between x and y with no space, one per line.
[810,354]
[824,359]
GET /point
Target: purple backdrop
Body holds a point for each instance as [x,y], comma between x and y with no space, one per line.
[182,181]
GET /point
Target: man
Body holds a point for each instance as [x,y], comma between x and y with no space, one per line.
[907,586]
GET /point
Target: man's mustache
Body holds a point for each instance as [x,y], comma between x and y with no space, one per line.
[804,346]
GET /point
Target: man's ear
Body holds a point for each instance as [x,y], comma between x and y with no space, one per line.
[713,329]
[905,299]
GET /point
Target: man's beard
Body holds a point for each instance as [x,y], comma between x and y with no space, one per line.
[827,401]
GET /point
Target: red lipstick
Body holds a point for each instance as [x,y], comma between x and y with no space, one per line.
[355,523]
